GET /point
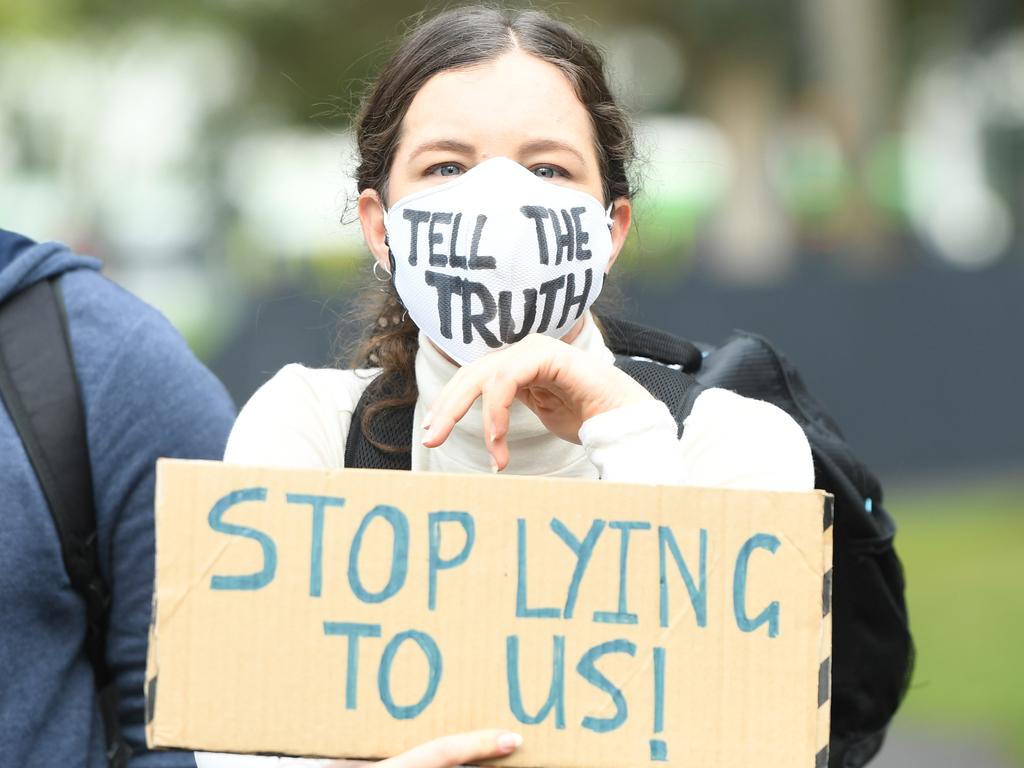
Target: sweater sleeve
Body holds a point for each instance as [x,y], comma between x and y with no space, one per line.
[728,441]
[153,399]
[299,419]
[283,425]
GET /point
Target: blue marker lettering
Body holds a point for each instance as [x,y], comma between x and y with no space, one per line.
[261,578]
[583,551]
[318,503]
[556,694]
[588,671]
[399,554]
[433,656]
[659,749]
[435,561]
[353,632]
[739,587]
[522,611]
[698,595]
[622,616]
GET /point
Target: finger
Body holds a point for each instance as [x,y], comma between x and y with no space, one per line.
[498,394]
[439,423]
[543,399]
[455,399]
[458,749]
[520,363]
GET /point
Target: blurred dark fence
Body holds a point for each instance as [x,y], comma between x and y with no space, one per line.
[923,368]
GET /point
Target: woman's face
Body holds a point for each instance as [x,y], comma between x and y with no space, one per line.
[517,106]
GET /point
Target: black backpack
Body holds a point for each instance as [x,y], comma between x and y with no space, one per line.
[39,388]
[872,651]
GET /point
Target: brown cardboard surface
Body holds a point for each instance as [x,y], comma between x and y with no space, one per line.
[243,663]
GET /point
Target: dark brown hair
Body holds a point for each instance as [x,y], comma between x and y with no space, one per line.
[463,37]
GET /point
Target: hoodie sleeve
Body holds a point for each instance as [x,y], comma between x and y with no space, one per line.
[149,398]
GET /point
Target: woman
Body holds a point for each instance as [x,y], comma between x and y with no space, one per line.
[494,198]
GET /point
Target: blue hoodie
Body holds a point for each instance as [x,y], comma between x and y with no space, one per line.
[145,395]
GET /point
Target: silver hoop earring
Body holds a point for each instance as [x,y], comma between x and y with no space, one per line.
[376,274]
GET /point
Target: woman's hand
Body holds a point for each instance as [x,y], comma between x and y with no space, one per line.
[448,751]
[561,384]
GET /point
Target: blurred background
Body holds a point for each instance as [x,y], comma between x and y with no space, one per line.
[846,178]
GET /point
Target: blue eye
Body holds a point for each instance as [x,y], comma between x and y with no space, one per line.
[445,169]
[548,171]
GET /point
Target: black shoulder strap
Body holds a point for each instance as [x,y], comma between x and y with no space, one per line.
[664,364]
[673,386]
[39,387]
[394,424]
[40,390]
[630,339]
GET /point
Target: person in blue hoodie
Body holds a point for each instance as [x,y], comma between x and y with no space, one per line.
[144,396]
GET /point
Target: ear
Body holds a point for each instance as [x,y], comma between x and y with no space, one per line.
[622,219]
[371,219]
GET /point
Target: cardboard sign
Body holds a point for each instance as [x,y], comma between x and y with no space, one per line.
[358,613]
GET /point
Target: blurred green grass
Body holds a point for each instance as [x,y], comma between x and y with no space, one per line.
[963,554]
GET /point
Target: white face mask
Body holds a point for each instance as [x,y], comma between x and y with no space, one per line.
[496,254]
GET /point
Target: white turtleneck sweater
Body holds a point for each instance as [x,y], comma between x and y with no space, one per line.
[301,417]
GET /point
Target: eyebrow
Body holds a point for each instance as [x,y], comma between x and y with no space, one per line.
[547,145]
[461,147]
[443,145]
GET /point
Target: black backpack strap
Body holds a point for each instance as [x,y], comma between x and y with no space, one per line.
[39,387]
[674,387]
[630,339]
[392,427]
[40,390]
[664,364]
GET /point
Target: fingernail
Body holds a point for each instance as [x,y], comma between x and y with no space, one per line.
[509,741]
[494,465]
[426,420]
